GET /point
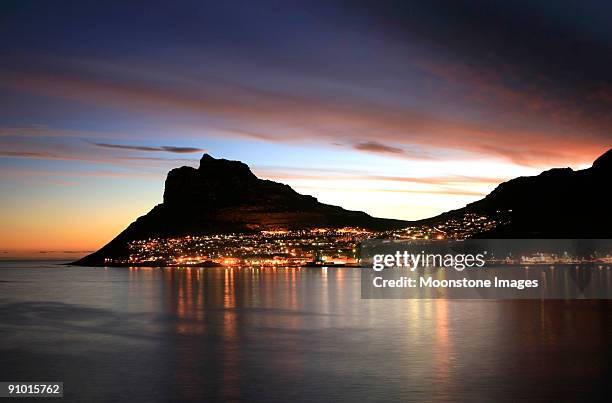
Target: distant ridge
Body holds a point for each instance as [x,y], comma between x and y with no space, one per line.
[558,203]
[222,196]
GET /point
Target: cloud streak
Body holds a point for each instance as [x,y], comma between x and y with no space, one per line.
[170,149]
[428,180]
[28,154]
[375,147]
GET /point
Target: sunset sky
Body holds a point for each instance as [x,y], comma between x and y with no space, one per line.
[400,109]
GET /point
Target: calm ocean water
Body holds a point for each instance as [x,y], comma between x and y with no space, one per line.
[121,334]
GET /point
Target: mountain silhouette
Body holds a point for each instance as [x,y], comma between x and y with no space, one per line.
[558,203]
[223,196]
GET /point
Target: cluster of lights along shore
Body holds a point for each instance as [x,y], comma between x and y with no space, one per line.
[318,246]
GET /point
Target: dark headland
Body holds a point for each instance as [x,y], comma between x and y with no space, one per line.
[222,196]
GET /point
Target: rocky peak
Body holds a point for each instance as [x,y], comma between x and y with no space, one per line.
[214,182]
[224,169]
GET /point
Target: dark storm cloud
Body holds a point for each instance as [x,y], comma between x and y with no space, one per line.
[170,149]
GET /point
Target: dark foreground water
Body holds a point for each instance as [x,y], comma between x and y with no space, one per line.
[288,335]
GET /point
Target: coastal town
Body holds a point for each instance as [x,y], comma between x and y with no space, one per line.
[322,247]
[282,247]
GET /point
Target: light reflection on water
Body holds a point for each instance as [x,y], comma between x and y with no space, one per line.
[153,334]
